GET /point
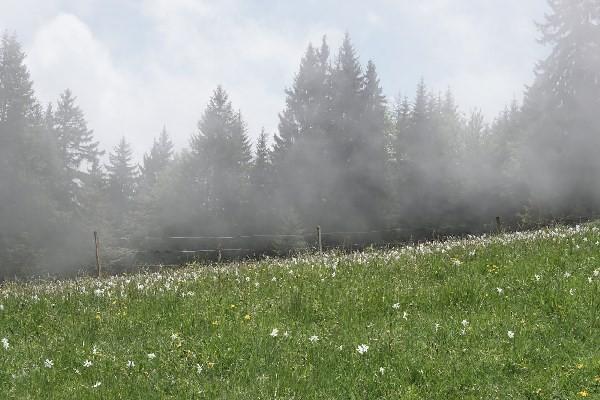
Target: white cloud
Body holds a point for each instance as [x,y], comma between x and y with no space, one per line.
[65,54]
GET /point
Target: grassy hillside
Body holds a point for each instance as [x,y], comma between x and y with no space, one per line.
[512,316]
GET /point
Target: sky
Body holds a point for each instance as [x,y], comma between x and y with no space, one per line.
[138,65]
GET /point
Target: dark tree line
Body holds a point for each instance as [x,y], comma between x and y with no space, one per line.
[344,157]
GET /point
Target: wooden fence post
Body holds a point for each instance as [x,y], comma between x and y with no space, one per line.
[498,225]
[97,243]
[319,241]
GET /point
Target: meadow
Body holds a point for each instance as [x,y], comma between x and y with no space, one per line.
[508,316]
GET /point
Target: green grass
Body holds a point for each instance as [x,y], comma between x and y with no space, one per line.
[210,327]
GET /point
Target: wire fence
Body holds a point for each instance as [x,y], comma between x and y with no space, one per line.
[220,246]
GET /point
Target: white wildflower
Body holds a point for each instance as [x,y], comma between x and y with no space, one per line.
[286,334]
[48,363]
[396,306]
[151,356]
[465,323]
[97,384]
[314,338]
[274,332]
[381,370]
[597,272]
[499,290]
[1,307]
[130,364]
[405,315]
[572,292]
[94,350]
[567,274]
[174,336]
[199,369]
[5,343]
[87,363]
[362,348]
[511,334]
[437,326]
[537,277]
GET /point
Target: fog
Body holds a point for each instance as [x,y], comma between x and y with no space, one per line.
[344,154]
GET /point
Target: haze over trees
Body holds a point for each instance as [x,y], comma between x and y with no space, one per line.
[344,157]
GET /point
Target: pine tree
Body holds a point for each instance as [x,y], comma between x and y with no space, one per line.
[155,162]
[76,145]
[222,155]
[28,210]
[369,162]
[262,162]
[300,148]
[122,176]
[559,151]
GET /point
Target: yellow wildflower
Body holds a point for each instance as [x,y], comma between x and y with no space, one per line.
[583,393]
[247,317]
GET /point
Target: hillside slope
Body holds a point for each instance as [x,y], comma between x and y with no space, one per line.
[510,316]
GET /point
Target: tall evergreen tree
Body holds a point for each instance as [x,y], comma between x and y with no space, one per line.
[28,210]
[559,152]
[155,162]
[262,161]
[122,176]
[222,152]
[300,150]
[76,145]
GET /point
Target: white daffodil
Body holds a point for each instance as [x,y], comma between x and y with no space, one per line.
[362,348]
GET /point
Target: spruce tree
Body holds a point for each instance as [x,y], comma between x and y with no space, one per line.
[155,162]
[122,176]
[559,151]
[28,209]
[76,145]
[301,152]
[222,155]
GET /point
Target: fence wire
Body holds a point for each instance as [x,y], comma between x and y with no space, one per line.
[344,235]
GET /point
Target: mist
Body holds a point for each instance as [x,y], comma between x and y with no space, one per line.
[369,169]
